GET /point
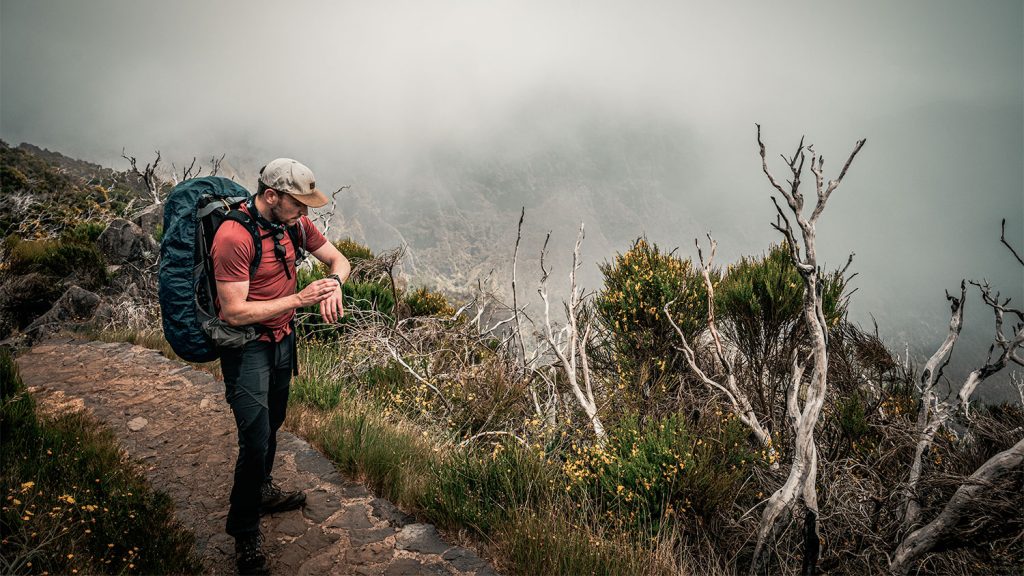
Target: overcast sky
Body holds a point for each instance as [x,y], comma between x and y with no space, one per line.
[937,88]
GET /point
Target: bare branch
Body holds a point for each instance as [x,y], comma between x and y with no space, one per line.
[800,484]
[959,506]
[515,302]
[574,347]
[215,164]
[739,401]
[1002,238]
[148,175]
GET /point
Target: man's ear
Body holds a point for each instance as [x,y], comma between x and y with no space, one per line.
[271,196]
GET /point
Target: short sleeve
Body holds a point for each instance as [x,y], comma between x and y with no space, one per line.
[232,252]
[314,239]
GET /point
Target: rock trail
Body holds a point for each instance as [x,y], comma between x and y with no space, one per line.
[174,421]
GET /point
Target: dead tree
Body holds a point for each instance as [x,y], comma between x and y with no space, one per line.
[800,484]
[924,539]
[738,400]
[569,345]
[215,164]
[325,216]
[148,175]
[548,410]
[933,415]
[187,172]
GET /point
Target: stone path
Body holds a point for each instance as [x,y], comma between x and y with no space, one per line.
[175,422]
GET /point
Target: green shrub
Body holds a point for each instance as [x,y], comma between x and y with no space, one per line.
[655,473]
[353,250]
[84,232]
[637,286]
[760,303]
[58,260]
[422,302]
[370,296]
[73,503]
[360,300]
[762,297]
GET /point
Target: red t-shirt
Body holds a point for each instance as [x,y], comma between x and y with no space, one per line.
[233,251]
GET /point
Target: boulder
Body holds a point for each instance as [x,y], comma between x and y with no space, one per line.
[125,242]
[24,298]
[150,218]
[76,306]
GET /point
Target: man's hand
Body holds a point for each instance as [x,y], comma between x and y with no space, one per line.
[317,291]
[331,308]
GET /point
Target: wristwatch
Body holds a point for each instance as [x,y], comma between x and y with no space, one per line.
[336,278]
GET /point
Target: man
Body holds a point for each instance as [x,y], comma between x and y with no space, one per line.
[257,376]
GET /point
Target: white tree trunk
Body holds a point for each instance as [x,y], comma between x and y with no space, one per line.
[803,471]
[574,349]
[921,541]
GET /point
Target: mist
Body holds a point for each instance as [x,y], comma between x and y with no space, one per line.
[636,118]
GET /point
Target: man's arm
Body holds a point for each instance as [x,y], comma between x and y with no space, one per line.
[331,308]
[237,311]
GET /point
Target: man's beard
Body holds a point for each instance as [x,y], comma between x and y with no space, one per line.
[275,216]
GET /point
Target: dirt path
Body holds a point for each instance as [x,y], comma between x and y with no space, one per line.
[174,420]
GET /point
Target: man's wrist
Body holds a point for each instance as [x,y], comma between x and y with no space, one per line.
[336,278]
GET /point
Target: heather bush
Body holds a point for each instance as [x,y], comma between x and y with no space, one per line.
[759,302]
[649,475]
[423,302]
[637,286]
[353,250]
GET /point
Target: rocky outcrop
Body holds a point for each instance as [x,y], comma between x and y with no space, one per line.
[76,306]
[125,242]
[24,298]
[150,218]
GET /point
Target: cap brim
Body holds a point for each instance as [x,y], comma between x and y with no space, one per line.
[314,199]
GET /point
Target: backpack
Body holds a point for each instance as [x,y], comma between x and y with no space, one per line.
[193,212]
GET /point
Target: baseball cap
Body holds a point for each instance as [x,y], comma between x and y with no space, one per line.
[294,178]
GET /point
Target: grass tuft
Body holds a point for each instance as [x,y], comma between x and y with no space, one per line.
[72,501]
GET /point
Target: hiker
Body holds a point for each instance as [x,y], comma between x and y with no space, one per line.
[257,375]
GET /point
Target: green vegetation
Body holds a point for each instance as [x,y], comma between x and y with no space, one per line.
[353,250]
[72,502]
[760,303]
[455,426]
[500,494]
[43,199]
[57,260]
[37,272]
[423,302]
[631,306]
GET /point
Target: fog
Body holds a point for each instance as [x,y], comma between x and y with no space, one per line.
[369,94]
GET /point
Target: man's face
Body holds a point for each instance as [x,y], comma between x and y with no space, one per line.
[287,210]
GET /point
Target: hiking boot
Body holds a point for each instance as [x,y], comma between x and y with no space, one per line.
[249,556]
[276,500]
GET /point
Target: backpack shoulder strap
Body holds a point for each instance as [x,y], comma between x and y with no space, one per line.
[297,232]
[246,221]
